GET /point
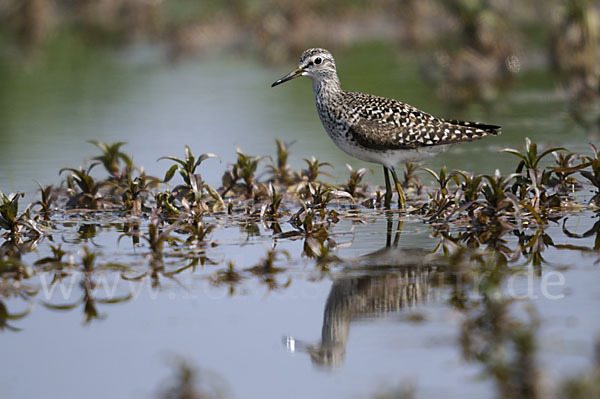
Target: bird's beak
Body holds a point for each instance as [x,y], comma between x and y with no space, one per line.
[294,74]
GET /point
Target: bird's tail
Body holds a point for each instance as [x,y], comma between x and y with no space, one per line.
[487,128]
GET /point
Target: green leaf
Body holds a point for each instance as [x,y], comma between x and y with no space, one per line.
[443,174]
[170,173]
[127,159]
[189,157]
[92,166]
[341,194]
[573,168]
[531,151]
[432,173]
[174,159]
[548,151]
[204,157]
[196,188]
[102,146]
[14,205]
[515,152]
[220,204]
[73,170]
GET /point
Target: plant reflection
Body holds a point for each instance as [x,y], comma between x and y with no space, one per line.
[190,382]
[228,276]
[88,284]
[12,272]
[5,316]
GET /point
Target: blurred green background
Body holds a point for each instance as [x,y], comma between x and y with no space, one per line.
[159,74]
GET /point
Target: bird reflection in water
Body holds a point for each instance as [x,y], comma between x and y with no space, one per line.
[388,280]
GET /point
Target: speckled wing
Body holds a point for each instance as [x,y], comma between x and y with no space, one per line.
[381,123]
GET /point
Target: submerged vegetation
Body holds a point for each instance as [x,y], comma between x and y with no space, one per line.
[484,207]
[539,192]
[488,227]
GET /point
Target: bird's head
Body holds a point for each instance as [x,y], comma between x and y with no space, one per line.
[316,63]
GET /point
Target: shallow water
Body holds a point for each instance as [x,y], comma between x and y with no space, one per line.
[402,332]
[239,336]
[218,104]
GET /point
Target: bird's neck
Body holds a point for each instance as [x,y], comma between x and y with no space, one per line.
[327,91]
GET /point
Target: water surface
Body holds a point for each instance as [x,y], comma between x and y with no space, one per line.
[403,330]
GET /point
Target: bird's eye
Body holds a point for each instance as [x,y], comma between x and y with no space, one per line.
[318,60]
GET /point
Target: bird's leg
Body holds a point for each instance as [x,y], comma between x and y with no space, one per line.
[387,200]
[401,196]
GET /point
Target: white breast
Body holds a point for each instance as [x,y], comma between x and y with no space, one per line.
[387,158]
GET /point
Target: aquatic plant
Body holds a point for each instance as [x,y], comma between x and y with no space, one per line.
[313,170]
[470,187]
[443,179]
[243,169]
[322,249]
[271,209]
[319,195]
[353,183]
[157,237]
[89,195]
[48,198]
[530,178]
[215,201]
[136,191]
[530,191]
[307,221]
[440,201]
[497,200]
[281,172]
[563,171]
[11,220]
[194,185]
[484,205]
[593,176]
[410,178]
[198,231]
[165,205]
[111,158]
